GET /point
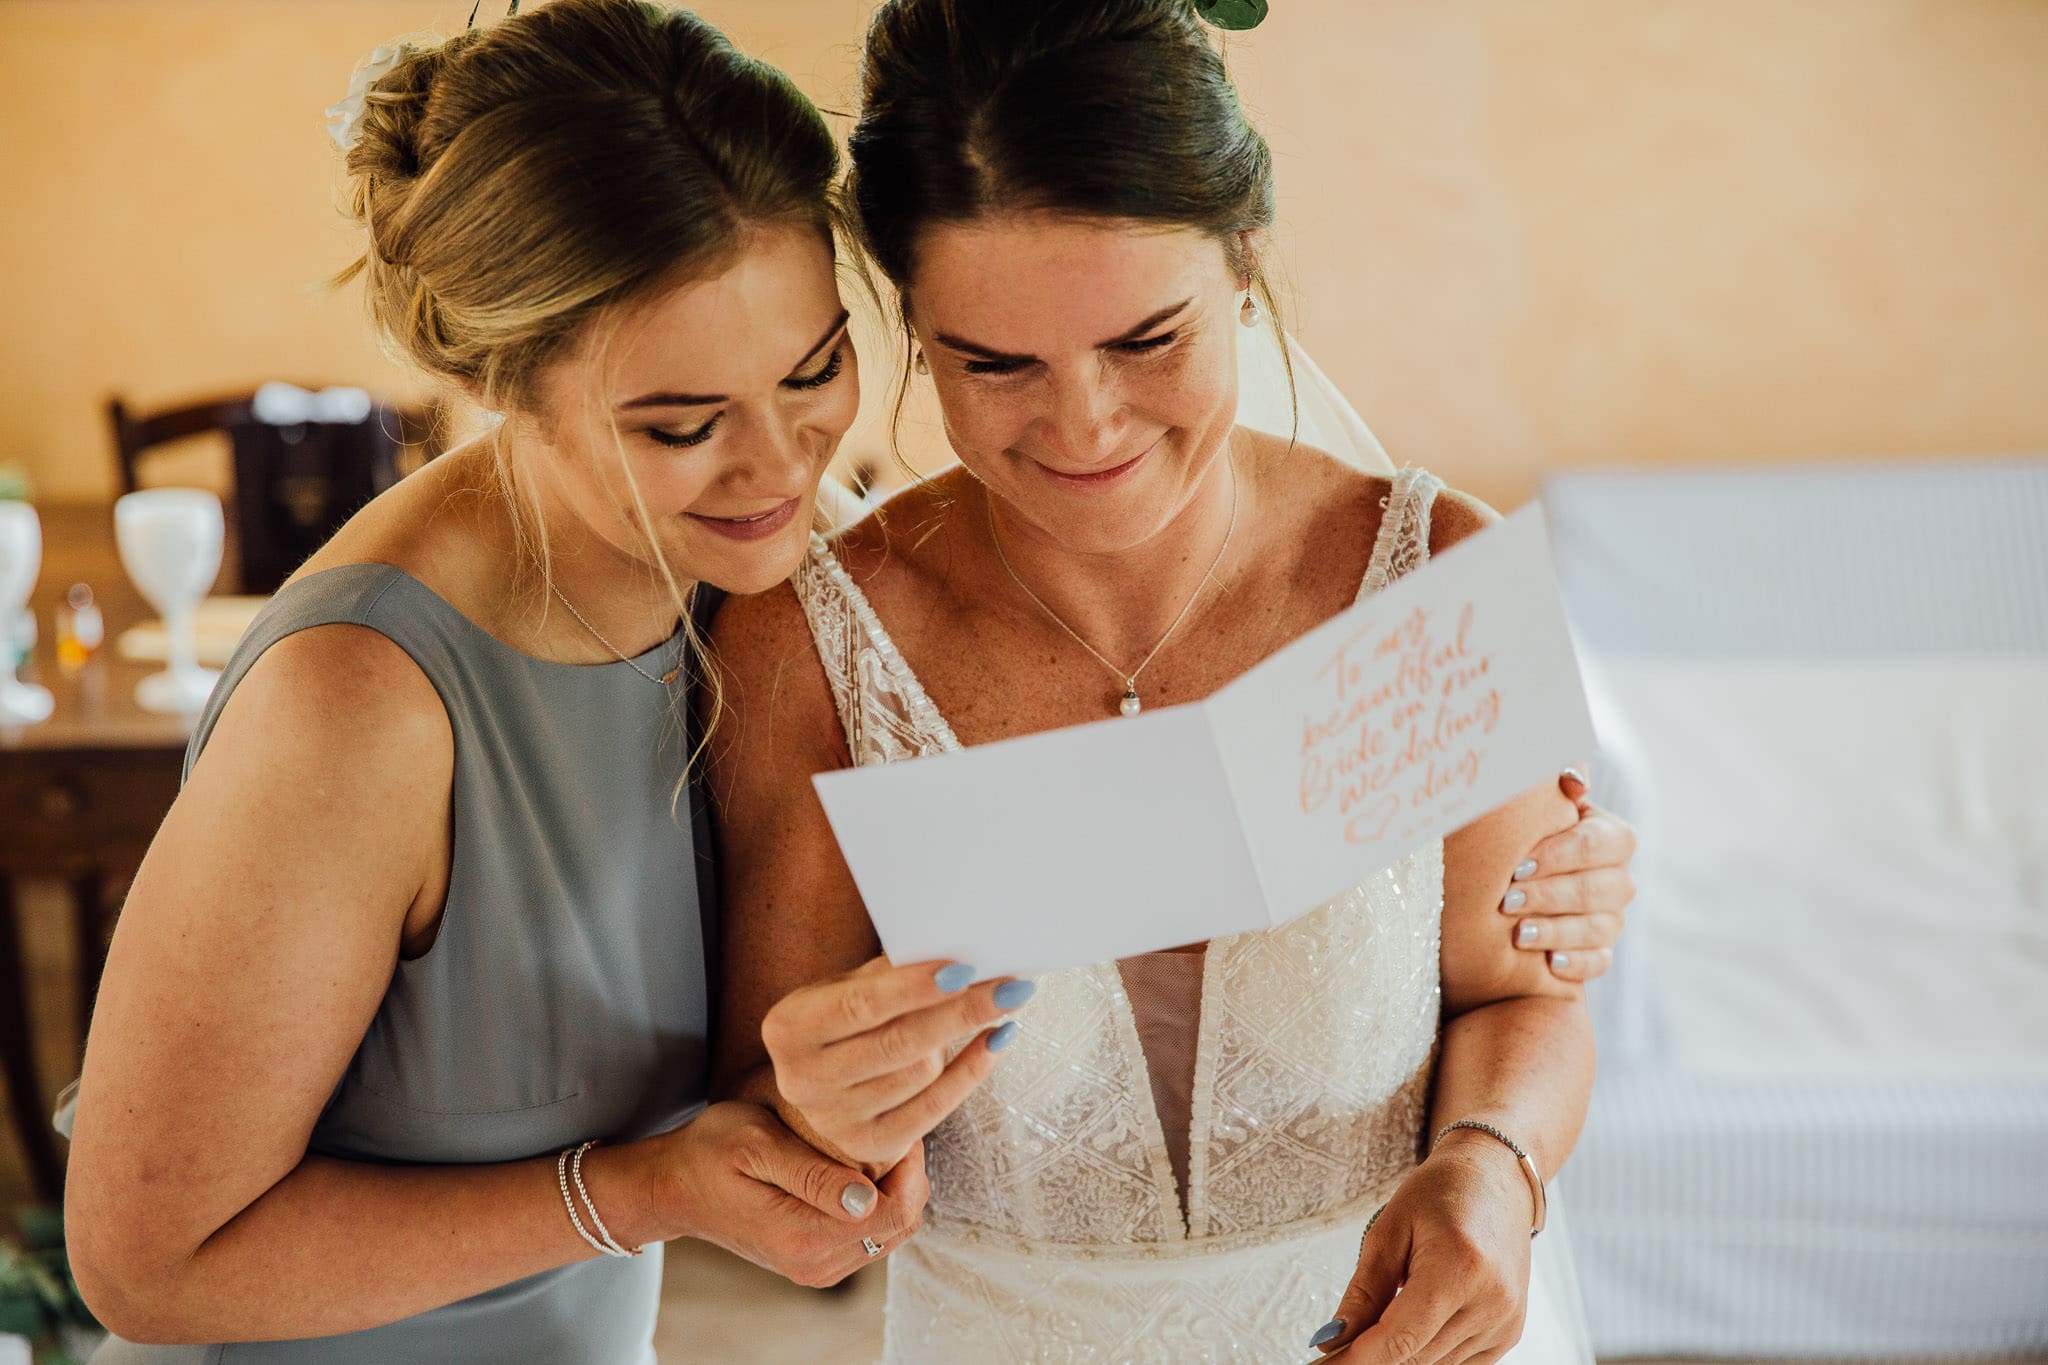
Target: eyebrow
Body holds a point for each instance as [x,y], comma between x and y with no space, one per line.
[699,400]
[981,352]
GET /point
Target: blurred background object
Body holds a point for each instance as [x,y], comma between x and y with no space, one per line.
[1524,238]
[300,463]
[21,564]
[170,541]
[1522,235]
[81,630]
[1823,1097]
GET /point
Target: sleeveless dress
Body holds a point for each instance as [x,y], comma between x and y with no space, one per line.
[1059,1228]
[566,996]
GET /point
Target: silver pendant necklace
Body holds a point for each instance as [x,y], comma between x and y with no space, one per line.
[1129,704]
[664,680]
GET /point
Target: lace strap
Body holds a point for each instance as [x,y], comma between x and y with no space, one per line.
[1402,545]
[830,613]
[846,631]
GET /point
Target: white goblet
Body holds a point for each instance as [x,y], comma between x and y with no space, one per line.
[21,560]
[170,541]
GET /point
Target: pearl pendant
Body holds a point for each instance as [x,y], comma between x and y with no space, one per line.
[1129,705]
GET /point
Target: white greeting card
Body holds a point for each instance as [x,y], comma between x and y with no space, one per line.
[1390,725]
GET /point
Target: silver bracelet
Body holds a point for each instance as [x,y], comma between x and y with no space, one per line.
[590,1205]
[569,1166]
[1535,1177]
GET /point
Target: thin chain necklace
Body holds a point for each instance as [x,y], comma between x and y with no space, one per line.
[1129,703]
[663,681]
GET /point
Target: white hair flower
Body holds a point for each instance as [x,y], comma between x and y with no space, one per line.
[345,118]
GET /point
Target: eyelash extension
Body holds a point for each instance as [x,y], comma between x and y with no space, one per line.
[702,434]
[822,377]
[688,438]
[1128,347]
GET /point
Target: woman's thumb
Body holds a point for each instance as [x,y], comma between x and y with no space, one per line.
[789,1163]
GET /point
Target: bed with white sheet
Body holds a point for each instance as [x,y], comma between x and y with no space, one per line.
[1821,1122]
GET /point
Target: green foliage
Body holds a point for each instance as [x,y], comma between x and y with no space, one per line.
[1232,14]
[38,1296]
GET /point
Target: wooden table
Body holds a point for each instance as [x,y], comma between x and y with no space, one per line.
[81,795]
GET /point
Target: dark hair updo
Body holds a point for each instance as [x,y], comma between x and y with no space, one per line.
[1114,109]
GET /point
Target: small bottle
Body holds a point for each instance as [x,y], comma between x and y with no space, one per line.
[80,628]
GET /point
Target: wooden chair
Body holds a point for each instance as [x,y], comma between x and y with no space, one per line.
[293,485]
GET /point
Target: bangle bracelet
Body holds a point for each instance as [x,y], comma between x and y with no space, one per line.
[1535,1177]
[568,1164]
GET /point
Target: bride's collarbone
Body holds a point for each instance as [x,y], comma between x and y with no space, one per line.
[997,672]
[1001,682]
[998,675]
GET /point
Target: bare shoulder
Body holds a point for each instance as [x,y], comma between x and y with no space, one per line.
[770,708]
[908,538]
[318,811]
[1325,511]
[757,637]
[1314,472]
[1344,494]
[1456,515]
[446,525]
[343,701]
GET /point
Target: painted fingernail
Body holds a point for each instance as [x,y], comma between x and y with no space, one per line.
[1011,994]
[857,1200]
[954,978]
[1581,777]
[1000,1039]
[1525,869]
[1513,901]
[1526,934]
[1560,961]
[1328,1332]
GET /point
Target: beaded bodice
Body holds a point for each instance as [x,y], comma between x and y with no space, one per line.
[1315,1047]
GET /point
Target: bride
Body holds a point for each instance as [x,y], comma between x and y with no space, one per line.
[1237,1150]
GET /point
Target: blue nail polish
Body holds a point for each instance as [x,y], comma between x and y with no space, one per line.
[1525,934]
[954,978]
[1514,901]
[1328,1332]
[1525,869]
[1000,1039]
[1011,994]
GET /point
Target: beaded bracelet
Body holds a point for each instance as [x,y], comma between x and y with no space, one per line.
[569,1167]
[1529,1170]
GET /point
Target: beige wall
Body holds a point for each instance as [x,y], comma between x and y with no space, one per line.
[1523,233]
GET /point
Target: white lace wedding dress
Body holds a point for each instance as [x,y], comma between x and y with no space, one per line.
[1056,1230]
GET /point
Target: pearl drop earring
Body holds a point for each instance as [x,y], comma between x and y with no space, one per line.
[1249,313]
[919,363]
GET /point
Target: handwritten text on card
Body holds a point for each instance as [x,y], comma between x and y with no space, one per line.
[1404,718]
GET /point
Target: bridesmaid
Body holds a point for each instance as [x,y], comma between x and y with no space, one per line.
[423,923]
